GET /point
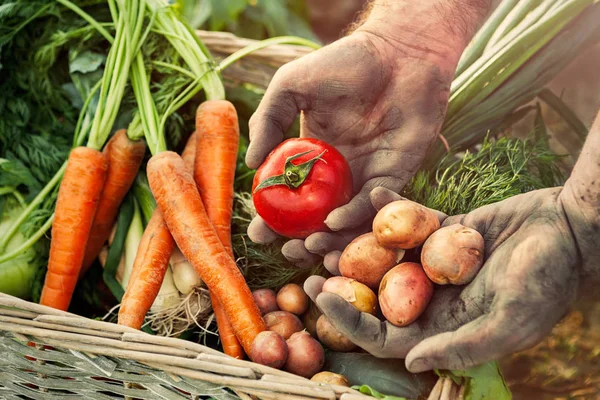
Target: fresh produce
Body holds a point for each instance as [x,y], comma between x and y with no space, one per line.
[365,260]
[214,172]
[266,300]
[354,292]
[404,224]
[78,199]
[331,337]
[453,254]
[269,348]
[330,378]
[306,356]
[291,298]
[404,293]
[310,319]
[184,275]
[124,159]
[299,184]
[182,208]
[283,322]
[149,268]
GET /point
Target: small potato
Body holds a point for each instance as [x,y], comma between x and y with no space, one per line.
[331,337]
[306,356]
[354,292]
[404,224]
[269,348]
[365,260]
[310,319]
[283,322]
[404,293]
[291,298]
[266,300]
[330,378]
[453,254]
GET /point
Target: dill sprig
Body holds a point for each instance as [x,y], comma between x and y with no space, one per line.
[498,170]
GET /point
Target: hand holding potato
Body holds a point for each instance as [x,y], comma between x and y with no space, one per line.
[530,276]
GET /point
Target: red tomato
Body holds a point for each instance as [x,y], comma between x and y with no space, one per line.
[299,184]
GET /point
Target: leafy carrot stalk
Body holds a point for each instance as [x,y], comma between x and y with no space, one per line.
[151,263]
[214,172]
[76,205]
[124,159]
[180,203]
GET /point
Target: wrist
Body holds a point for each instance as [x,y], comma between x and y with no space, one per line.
[436,30]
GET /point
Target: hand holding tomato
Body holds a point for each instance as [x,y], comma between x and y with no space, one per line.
[378,102]
[299,184]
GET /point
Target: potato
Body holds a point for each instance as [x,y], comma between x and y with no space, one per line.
[283,322]
[453,254]
[291,298]
[310,319]
[266,300]
[330,378]
[269,348]
[365,260]
[404,224]
[331,337]
[306,356]
[354,292]
[404,293]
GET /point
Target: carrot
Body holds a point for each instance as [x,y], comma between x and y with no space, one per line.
[214,172]
[180,203]
[149,268]
[124,159]
[78,199]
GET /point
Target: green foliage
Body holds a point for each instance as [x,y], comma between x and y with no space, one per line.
[483,382]
[255,19]
[366,389]
[499,170]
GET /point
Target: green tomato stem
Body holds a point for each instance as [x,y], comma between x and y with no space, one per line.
[265,43]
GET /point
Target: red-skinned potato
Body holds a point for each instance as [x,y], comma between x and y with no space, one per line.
[330,378]
[365,260]
[283,322]
[453,255]
[404,224]
[266,300]
[269,348]
[354,292]
[306,356]
[291,298]
[404,293]
[331,337]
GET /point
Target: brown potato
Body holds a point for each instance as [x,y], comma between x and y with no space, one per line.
[453,254]
[404,293]
[330,378]
[291,298]
[365,260]
[310,319]
[404,224]
[306,356]
[354,292]
[266,300]
[331,337]
[283,322]
[269,348]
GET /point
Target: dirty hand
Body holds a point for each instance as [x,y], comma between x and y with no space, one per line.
[379,99]
[539,248]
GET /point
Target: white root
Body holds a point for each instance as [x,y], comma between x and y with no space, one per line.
[185,276]
[168,295]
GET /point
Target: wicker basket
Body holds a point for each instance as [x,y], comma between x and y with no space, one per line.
[51,354]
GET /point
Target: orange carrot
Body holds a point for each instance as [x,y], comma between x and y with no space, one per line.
[189,151]
[150,265]
[214,172]
[76,206]
[124,159]
[180,203]
[149,268]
